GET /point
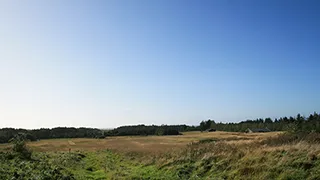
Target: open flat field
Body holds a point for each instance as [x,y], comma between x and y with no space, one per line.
[149,144]
[193,155]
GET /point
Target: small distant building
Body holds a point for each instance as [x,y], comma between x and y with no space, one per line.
[211,130]
[257,130]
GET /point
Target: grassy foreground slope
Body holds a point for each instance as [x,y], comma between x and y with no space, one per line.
[216,155]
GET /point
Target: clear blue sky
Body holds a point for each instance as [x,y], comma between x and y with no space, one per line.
[110,63]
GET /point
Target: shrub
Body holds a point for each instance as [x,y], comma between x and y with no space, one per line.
[19,146]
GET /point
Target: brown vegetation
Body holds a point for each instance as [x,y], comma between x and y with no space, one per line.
[150,144]
[194,155]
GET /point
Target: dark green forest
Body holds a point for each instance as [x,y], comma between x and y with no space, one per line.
[144,130]
[297,123]
[44,133]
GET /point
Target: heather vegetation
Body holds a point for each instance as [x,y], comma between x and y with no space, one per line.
[193,155]
[143,152]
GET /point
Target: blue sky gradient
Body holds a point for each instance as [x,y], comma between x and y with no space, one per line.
[111,63]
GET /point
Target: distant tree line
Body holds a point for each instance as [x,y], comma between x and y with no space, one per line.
[298,123]
[150,130]
[294,124]
[6,134]
[44,133]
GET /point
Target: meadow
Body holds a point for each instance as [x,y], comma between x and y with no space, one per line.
[150,144]
[193,155]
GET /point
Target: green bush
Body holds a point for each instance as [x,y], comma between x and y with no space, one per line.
[19,146]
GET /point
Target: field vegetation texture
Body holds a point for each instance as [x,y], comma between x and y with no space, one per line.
[193,155]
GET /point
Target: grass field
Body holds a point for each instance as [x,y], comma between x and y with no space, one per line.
[193,155]
[149,144]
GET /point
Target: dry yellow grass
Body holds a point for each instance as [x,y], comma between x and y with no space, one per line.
[145,144]
[208,154]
